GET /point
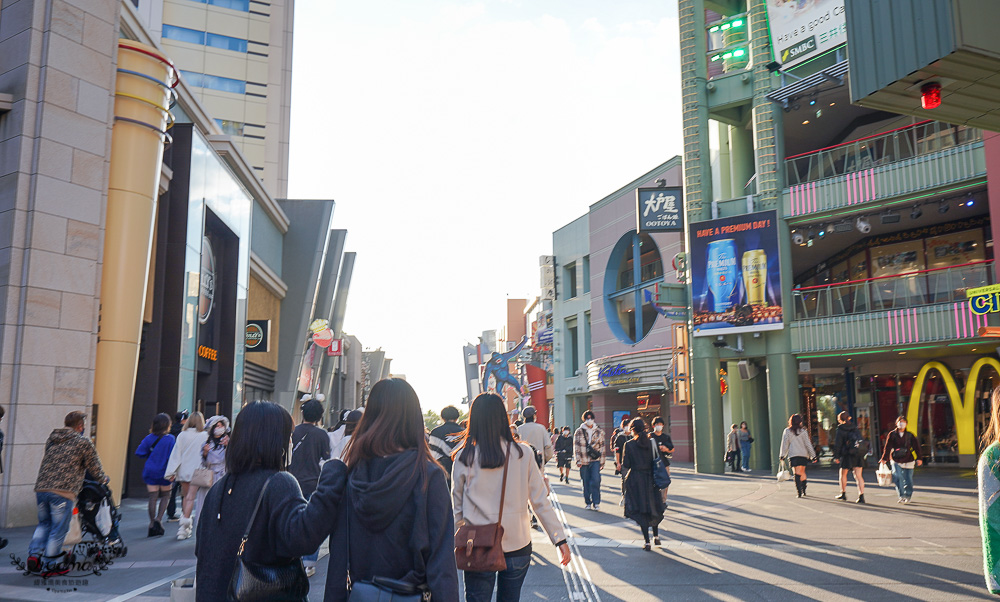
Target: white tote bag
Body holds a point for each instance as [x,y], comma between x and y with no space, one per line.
[884,475]
[783,473]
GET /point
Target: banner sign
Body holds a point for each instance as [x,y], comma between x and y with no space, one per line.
[660,209]
[736,274]
[984,299]
[803,30]
[258,336]
[336,348]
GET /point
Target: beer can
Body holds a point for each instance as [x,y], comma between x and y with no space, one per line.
[722,271]
[755,276]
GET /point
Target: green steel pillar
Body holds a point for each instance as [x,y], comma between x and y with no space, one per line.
[706,398]
[760,428]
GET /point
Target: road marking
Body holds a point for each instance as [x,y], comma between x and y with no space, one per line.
[149,586]
[579,584]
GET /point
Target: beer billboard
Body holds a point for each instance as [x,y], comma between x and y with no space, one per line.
[736,275]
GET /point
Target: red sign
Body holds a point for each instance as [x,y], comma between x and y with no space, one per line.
[336,348]
[323,338]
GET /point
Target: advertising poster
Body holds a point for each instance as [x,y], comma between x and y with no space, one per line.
[900,258]
[955,249]
[804,29]
[736,274]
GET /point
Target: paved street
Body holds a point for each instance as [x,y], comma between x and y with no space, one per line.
[739,537]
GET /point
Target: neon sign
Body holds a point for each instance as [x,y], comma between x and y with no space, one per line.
[617,375]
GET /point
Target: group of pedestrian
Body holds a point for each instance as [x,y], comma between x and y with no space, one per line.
[738,446]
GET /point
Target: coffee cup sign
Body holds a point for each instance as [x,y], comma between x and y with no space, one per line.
[323,338]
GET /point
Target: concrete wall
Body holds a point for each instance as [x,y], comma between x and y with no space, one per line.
[570,245]
[53,182]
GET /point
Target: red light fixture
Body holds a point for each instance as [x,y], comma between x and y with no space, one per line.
[930,95]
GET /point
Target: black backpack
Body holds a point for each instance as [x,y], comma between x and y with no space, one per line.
[857,445]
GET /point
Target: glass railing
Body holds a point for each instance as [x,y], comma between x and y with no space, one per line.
[913,289]
[879,149]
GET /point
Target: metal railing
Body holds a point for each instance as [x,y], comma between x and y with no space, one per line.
[872,151]
[914,289]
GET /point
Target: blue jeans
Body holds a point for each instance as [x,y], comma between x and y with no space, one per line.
[903,478]
[479,586]
[745,452]
[54,514]
[590,474]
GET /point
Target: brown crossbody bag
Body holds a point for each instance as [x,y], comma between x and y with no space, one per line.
[478,547]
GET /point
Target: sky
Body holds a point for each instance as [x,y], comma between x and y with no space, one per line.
[456,136]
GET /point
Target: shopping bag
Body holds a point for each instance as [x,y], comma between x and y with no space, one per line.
[103,518]
[74,535]
[783,473]
[884,476]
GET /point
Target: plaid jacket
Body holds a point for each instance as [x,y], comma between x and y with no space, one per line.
[580,445]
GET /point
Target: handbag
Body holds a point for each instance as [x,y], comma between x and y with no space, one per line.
[592,453]
[884,475]
[203,477]
[661,478]
[75,533]
[253,582]
[783,473]
[477,547]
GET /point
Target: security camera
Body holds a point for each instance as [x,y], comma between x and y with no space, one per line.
[720,342]
[863,225]
[798,238]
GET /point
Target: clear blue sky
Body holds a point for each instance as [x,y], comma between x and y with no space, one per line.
[455,136]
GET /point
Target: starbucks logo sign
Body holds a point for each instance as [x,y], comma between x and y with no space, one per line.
[206,298]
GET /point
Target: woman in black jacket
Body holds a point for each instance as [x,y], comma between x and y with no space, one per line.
[282,530]
[396,522]
[564,453]
[643,503]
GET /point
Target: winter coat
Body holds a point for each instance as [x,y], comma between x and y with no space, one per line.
[285,527]
[186,455]
[397,523]
[583,436]
[643,502]
[564,447]
[844,434]
[476,498]
[906,442]
[156,449]
[68,457]
[537,437]
[793,446]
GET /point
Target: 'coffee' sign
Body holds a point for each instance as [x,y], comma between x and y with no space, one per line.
[258,339]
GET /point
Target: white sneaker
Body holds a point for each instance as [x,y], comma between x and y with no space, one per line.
[184,529]
[900,501]
[597,507]
[310,571]
[587,507]
[906,500]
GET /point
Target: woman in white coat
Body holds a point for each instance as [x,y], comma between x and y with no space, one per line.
[184,459]
[477,479]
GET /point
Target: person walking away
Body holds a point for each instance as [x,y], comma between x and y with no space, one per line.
[733,450]
[310,448]
[185,457]
[746,441]
[67,458]
[797,448]
[665,446]
[444,438]
[180,418]
[588,452]
[156,448]
[564,454]
[3,540]
[989,501]
[643,502]
[903,450]
[284,527]
[537,437]
[487,453]
[849,451]
[350,424]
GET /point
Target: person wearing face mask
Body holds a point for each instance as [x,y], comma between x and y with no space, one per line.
[665,445]
[588,449]
[564,454]
[903,449]
[310,448]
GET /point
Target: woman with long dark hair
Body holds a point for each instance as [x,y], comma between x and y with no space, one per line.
[256,459]
[478,477]
[643,502]
[798,449]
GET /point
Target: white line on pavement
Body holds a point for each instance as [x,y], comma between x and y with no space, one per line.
[583,587]
[149,586]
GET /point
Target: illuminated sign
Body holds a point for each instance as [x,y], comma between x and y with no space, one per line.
[208,353]
[617,375]
[984,299]
[206,297]
[257,339]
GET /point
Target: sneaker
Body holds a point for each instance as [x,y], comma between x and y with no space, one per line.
[588,507]
[842,496]
[173,519]
[597,507]
[906,500]
[310,571]
[656,541]
[900,501]
[34,565]
[646,547]
[861,499]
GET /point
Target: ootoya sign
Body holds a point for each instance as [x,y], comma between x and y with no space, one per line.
[660,209]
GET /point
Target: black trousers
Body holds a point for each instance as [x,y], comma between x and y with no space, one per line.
[172,504]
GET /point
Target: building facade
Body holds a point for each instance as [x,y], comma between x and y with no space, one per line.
[882,224]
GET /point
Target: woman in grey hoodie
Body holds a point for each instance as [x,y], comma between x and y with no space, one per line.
[796,446]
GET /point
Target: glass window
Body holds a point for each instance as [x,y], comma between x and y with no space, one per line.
[183,34]
[569,280]
[214,82]
[232,128]
[225,42]
[243,5]
[586,274]
[634,267]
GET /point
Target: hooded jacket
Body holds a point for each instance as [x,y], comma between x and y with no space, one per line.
[843,437]
[395,522]
[68,456]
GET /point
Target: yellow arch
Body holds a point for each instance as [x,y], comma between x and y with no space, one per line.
[964,410]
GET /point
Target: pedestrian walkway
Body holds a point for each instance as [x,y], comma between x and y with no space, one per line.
[725,537]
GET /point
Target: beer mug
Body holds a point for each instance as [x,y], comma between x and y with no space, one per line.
[755,276]
[722,272]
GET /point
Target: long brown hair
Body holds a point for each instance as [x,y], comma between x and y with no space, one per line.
[488,430]
[992,433]
[392,423]
[795,423]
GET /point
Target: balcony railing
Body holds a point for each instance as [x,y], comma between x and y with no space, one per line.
[916,140]
[914,289]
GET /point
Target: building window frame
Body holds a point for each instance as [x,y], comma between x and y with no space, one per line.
[622,290]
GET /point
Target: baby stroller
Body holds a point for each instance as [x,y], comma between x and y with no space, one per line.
[100,541]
